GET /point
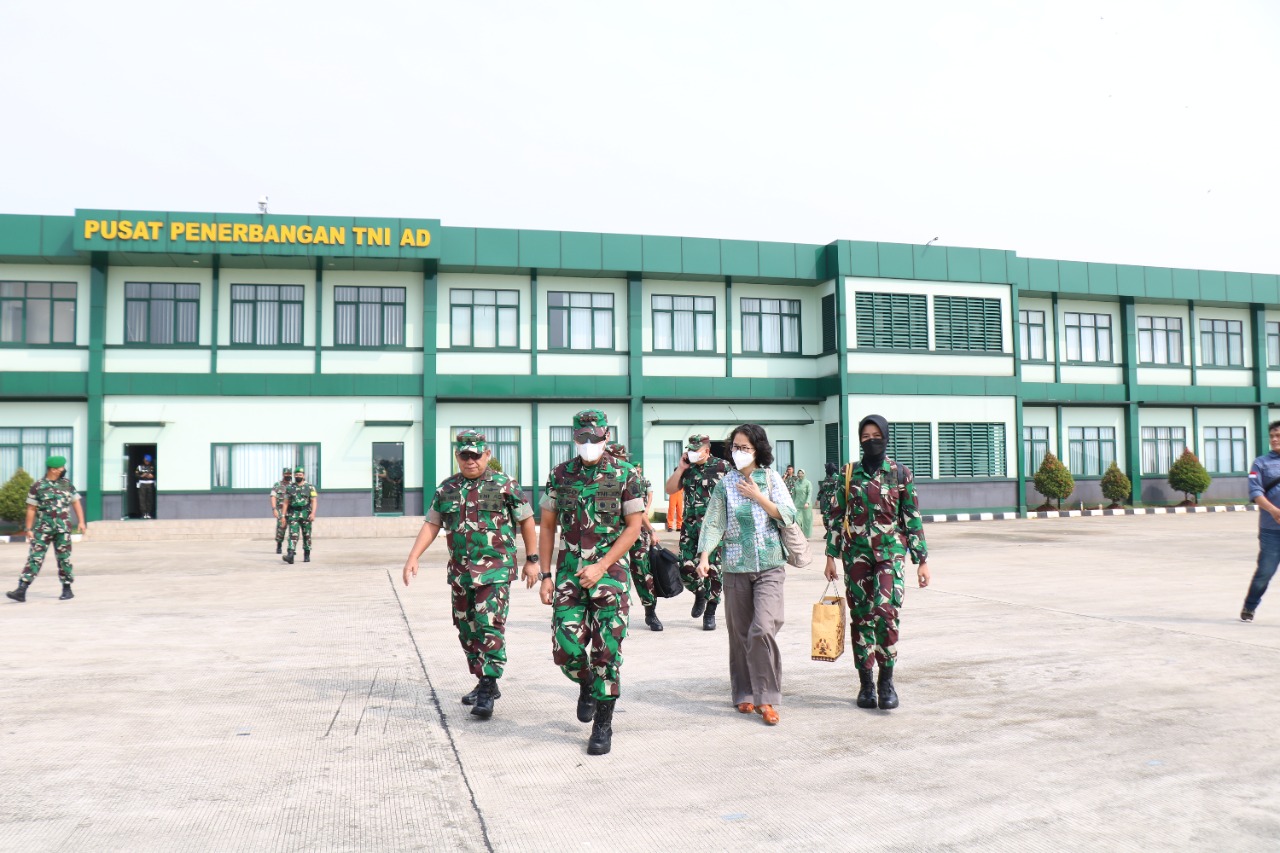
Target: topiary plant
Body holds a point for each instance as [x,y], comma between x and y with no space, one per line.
[1053,480]
[494,464]
[13,497]
[1115,485]
[1188,476]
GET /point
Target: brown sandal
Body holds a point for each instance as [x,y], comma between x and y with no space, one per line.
[770,716]
[746,708]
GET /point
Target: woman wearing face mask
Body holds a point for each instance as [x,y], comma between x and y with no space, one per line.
[875,523]
[744,512]
[803,497]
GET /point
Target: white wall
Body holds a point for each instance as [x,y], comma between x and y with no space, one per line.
[775,367]
[1164,376]
[306,279]
[117,277]
[52,360]
[51,414]
[156,360]
[480,362]
[1092,374]
[684,364]
[1037,372]
[581,364]
[930,364]
[266,360]
[368,361]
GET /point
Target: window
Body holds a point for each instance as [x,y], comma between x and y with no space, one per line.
[967,323]
[1160,446]
[1088,337]
[684,323]
[784,454]
[368,316]
[893,320]
[266,314]
[1159,340]
[1222,343]
[258,466]
[505,444]
[484,318]
[37,313]
[834,451]
[671,453]
[562,443]
[771,325]
[912,445]
[28,448]
[1035,446]
[161,314]
[971,450]
[1031,330]
[830,337]
[579,321]
[1273,345]
[1090,450]
[1224,450]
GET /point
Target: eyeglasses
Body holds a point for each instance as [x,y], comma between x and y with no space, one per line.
[588,439]
[469,456]
[744,448]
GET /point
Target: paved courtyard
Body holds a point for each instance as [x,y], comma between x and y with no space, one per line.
[1065,684]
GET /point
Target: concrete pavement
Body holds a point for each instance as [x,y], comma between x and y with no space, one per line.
[1065,684]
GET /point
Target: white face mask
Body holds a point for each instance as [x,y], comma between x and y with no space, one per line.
[591,452]
[742,458]
[694,455]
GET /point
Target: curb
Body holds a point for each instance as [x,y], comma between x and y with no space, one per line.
[21,540]
[1076,513]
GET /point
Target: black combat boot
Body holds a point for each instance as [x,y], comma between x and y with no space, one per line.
[586,702]
[66,592]
[709,620]
[602,732]
[888,696]
[699,602]
[306,556]
[651,618]
[486,692]
[288,557]
[20,594]
[278,547]
[470,698]
[867,689]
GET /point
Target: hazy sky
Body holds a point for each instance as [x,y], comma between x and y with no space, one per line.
[1138,132]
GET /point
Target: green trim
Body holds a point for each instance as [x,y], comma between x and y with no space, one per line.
[1258,321]
[265,348]
[42,347]
[533,324]
[635,367]
[537,442]
[1093,364]
[728,327]
[1043,361]
[668,354]
[95,384]
[516,350]
[319,316]
[1019,464]
[429,388]
[1239,368]
[562,351]
[213,338]
[379,348]
[1146,365]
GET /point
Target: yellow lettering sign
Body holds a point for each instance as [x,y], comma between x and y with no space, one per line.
[91,227]
[359,231]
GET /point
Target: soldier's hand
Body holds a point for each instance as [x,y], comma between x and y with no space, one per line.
[530,574]
[410,569]
[590,575]
[547,590]
[83,528]
[704,568]
[922,575]
[831,573]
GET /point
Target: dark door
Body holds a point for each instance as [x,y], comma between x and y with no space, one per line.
[388,478]
[720,450]
[135,455]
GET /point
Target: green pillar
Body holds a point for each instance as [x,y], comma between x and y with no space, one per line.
[1133,451]
[537,480]
[1020,464]
[728,326]
[1193,337]
[94,386]
[430,292]
[1057,341]
[1132,426]
[213,341]
[635,367]
[319,311]
[842,345]
[1262,412]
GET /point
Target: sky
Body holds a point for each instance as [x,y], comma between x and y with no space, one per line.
[1127,132]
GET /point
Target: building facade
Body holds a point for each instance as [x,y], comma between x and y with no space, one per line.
[230,345]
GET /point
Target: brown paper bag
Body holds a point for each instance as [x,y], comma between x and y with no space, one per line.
[830,615]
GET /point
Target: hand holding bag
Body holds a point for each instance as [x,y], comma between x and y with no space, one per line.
[830,615]
[665,567]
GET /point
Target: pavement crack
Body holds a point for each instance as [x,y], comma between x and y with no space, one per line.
[337,712]
[367,697]
[391,704]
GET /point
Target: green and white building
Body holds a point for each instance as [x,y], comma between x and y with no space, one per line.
[229,345]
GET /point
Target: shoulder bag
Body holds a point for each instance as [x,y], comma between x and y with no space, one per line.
[795,547]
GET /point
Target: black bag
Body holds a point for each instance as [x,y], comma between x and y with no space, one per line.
[666,572]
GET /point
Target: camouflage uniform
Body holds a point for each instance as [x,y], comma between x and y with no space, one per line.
[883,525]
[590,503]
[52,500]
[790,480]
[826,493]
[297,499]
[698,482]
[479,519]
[282,521]
[641,575]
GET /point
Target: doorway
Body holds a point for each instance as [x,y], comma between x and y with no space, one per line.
[134,455]
[388,478]
[720,450]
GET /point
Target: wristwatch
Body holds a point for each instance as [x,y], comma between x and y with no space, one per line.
[532,558]
[544,576]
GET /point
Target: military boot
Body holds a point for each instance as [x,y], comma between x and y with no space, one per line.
[20,594]
[586,702]
[278,547]
[699,602]
[651,618]
[888,696]
[306,556]
[66,592]
[601,740]
[486,692]
[867,689]
[709,620]
[288,557]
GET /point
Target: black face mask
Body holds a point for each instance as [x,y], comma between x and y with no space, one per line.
[298,479]
[873,448]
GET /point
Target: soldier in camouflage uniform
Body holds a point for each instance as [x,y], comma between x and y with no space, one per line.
[826,494]
[697,475]
[790,479]
[599,508]
[479,510]
[277,506]
[300,501]
[641,576]
[875,523]
[50,502]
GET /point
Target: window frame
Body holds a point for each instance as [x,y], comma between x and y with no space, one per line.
[1233,442]
[1175,445]
[1151,334]
[1103,437]
[593,308]
[1025,339]
[566,446]
[779,464]
[47,449]
[150,300]
[1273,343]
[654,311]
[1208,345]
[1030,446]
[957,326]
[382,325]
[873,305]
[1079,327]
[280,302]
[916,454]
[963,433]
[490,432]
[24,301]
[498,309]
[299,457]
[744,315]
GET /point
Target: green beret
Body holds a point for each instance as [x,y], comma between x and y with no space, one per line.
[590,421]
[697,440]
[56,462]
[299,470]
[471,441]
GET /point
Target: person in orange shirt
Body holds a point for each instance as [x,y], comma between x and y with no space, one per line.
[675,510]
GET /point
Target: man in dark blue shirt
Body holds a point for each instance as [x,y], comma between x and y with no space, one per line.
[1264,490]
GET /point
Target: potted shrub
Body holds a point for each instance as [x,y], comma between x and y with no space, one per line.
[1188,476]
[13,498]
[1115,485]
[1054,481]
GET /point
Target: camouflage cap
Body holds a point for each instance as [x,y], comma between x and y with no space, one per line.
[617,451]
[471,441]
[287,471]
[697,440]
[590,422]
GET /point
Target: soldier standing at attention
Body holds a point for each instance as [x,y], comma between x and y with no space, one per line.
[641,576]
[49,505]
[479,510]
[300,501]
[696,476]
[277,506]
[598,507]
[146,474]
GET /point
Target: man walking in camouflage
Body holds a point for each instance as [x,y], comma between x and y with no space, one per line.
[479,509]
[277,506]
[50,502]
[598,507]
[641,576]
[300,501]
[697,475]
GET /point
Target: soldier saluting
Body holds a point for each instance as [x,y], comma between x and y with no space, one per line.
[49,505]
[598,507]
[697,475]
[479,509]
